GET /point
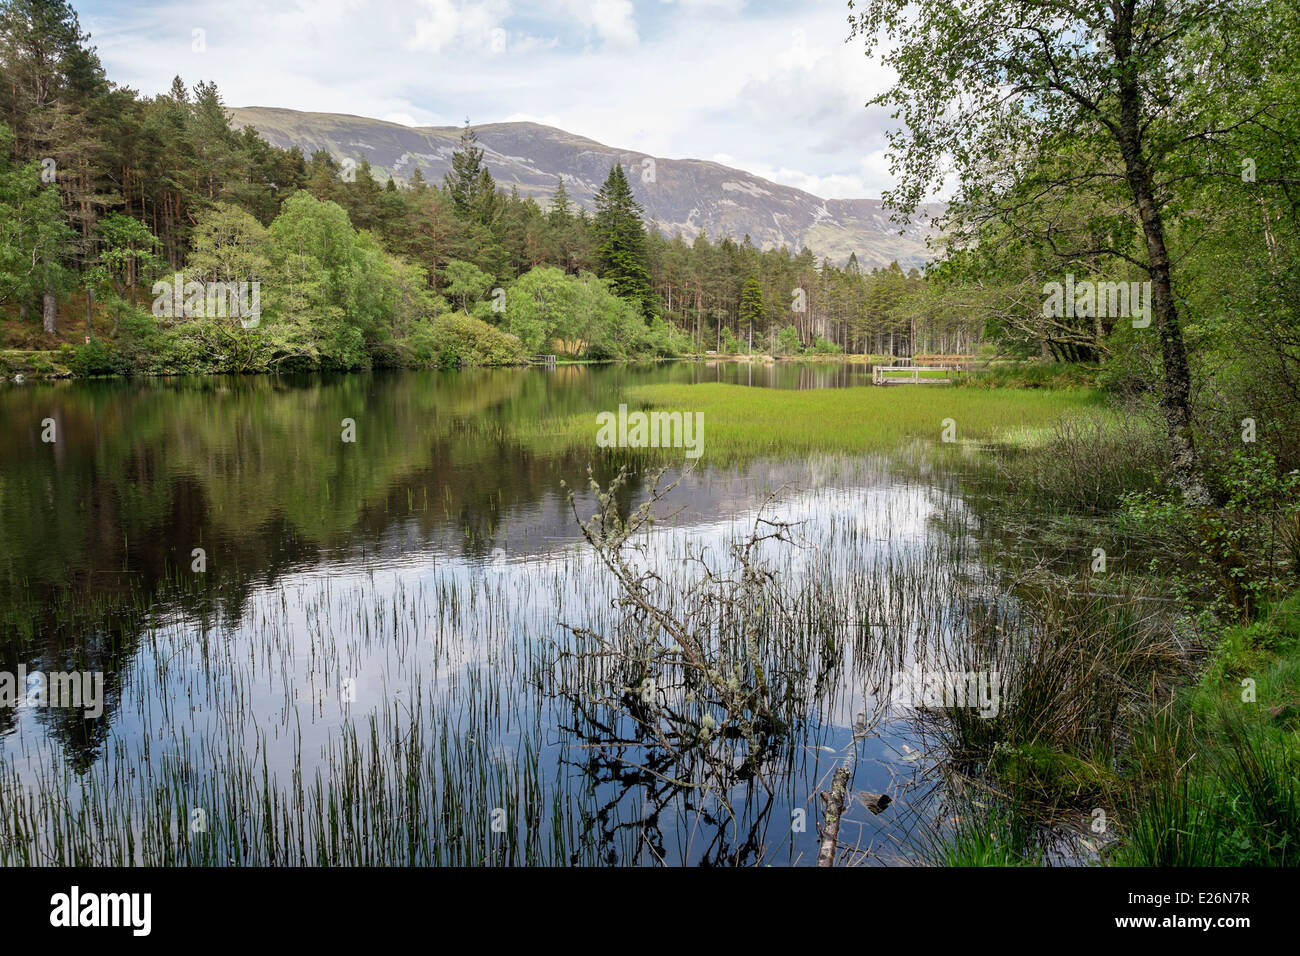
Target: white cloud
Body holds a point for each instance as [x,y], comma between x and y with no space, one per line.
[730,6]
[479,24]
[780,90]
[614,21]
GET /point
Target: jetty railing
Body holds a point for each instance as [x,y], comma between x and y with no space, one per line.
[916,374]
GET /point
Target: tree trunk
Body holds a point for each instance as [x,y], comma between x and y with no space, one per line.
[50,314]
[1175,396]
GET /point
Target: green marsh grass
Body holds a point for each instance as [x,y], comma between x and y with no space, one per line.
[742,423]
[1054,375]
[991,832]
[1218,768]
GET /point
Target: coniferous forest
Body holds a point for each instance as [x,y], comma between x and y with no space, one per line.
[107,192]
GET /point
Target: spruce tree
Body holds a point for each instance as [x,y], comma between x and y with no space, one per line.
[468,182]
[559,211]
[620,241]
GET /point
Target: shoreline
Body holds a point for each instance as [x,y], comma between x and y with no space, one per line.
[18,366]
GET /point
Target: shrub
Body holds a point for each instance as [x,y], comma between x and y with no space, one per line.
[1031,375]
[453,340]
[821,346]
[787,341]
[95,358]
[1239,551]
[664,339]
[728,345]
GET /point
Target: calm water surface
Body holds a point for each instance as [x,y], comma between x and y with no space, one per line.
[405,595]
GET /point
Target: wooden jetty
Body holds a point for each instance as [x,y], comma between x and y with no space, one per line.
[916,374]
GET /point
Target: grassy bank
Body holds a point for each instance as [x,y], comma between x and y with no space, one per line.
[33,364]
[1031,375]
[1209,778]
[1190,626]
[1215,774]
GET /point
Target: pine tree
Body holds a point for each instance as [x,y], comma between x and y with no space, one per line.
[43,52]
[487,205]
[620,241]
[323,176]
[35,231]
[361,197]
[559,211]
[468,182]
[51,75]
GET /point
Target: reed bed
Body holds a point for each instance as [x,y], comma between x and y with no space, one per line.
[372,712]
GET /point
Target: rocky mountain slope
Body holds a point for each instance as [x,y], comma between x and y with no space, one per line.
[679,195]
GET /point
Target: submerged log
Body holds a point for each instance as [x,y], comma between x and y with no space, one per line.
[875,802]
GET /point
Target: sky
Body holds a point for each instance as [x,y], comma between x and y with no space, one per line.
[765,86]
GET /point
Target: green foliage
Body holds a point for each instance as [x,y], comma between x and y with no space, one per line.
[1217,772]
[751,304]
[1031,375]
[823,346]
[334,293]
[468,182]
[94,358]
[1234,553]
[128,252]
[465,283]
[33,234]
[986,833]
[620,241]
[787,342]
[1246,648]
[455,340]
[544,306]
[229,245]
[729,344]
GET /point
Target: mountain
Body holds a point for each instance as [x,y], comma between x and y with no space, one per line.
[679,195]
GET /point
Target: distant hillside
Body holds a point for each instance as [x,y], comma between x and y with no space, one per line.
[686,195]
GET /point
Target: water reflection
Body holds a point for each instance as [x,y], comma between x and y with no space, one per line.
[402,599]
